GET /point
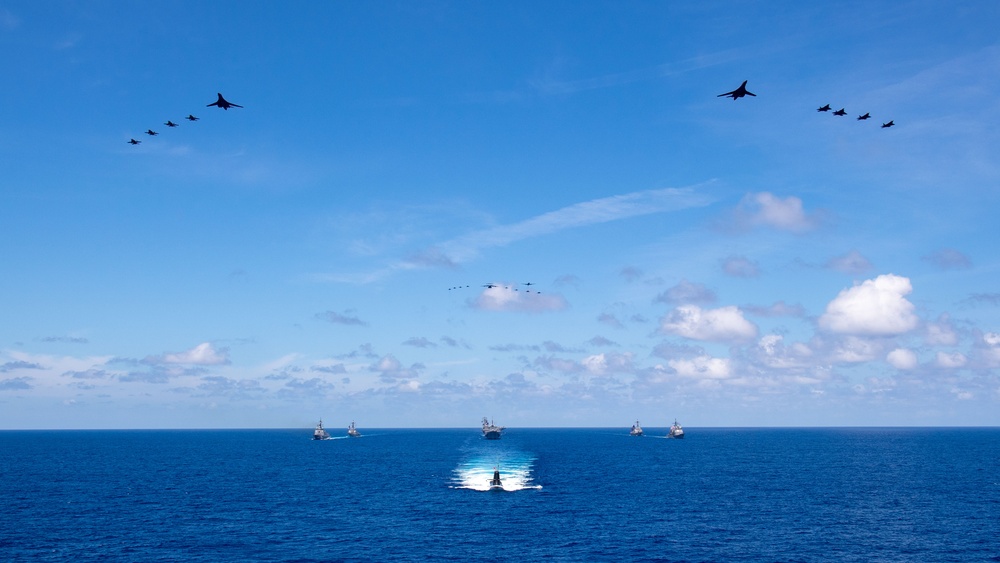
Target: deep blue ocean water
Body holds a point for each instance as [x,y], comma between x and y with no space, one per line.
[774,495]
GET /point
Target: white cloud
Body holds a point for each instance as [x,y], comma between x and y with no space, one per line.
[854,350]
[773,354]
[902,358]
[601,364]
[950,360]
[702,367]
[390,369]
[765,209]
[499,298]
[725,324]
[203,354]
[875,307]
[989,350]
[941,333]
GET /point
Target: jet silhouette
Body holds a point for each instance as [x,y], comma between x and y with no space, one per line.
[490,285]
[824,108]
[529,283]
[222,103]
[739,92]
[191,118]
[887,125]
[170,123]
[133,142]
[840,112]
[151,133]
[863,117]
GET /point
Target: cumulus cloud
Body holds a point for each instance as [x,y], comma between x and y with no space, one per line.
[948,259]
[203,354]
[725,324]
[772,353]
[852,350]
[988,350]
[502,299]
[702,367]
[950,360]
[604,363]
[687,292]
[852,263]
[345,318]
[942,332]
[875,307]
[902,358]
[740,267]
[391,369]
[765,209]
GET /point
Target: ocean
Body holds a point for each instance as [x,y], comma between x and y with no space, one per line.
[594,494]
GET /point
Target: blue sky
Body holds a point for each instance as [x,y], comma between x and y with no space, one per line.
[726,263]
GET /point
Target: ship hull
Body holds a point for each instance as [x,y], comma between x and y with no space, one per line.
[491,435]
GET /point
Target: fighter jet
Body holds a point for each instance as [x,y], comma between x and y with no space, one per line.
[529,283]
[170,123]
[824,108]
[133,142]
[151,133]
[490,285]
[739,92]
[840,112]
[191,118]
[863,117]
[222,103]
[887,125]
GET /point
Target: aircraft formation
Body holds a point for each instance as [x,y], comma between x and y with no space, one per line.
[742,91]
[221,102]
[497,285]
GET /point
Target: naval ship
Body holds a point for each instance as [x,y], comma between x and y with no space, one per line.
[491,431]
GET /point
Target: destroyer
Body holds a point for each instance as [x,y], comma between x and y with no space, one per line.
[352,431]
[636,429]
[320,433]
[491,431]
[676,431]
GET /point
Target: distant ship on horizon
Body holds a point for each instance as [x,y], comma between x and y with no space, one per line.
[320,433]
[352,431]
[491,431]
[676,431]
[636,429]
